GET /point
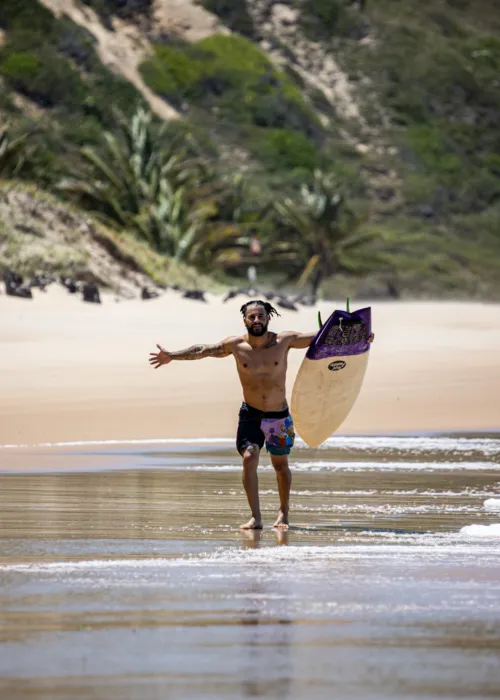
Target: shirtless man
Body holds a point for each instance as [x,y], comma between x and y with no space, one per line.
[261,359]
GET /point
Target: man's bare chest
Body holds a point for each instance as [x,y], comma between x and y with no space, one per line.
[261,361]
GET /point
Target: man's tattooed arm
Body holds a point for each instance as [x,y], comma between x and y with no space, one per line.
[198,352]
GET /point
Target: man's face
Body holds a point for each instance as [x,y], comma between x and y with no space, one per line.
[256,320]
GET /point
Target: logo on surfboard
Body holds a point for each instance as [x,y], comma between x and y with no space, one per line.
[335,366]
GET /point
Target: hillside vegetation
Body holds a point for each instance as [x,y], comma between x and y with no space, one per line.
[359,142]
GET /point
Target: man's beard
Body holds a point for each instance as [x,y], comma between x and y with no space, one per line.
[257,332]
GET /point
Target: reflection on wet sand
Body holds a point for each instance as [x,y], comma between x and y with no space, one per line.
[138,583]
[264,643]
[252,538]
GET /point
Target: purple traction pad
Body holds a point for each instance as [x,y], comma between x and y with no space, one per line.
[342,334]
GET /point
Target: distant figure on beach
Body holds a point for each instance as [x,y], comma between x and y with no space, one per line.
[264,418]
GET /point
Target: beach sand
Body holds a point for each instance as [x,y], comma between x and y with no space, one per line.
[71,371]
[124,573]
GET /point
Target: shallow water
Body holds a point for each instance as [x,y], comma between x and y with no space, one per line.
[123,573]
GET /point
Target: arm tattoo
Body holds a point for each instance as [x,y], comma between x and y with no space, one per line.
[197,352]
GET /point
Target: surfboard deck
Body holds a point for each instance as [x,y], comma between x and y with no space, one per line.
[331,374]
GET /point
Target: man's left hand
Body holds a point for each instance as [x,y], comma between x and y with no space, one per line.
[371,338]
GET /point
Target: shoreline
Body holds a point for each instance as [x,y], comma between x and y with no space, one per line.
[491,433]
[219,454]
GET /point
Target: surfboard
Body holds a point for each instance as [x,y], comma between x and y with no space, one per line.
[331,374]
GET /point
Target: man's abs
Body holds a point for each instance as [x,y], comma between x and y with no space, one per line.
[264,394]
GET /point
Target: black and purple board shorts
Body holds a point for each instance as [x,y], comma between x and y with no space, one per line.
[256,427]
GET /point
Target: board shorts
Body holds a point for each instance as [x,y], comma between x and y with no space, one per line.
[274,428]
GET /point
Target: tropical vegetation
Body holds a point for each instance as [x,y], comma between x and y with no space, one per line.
[407,195]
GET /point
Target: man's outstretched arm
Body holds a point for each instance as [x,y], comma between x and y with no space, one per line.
[195,352]
[303,340]
[300,340]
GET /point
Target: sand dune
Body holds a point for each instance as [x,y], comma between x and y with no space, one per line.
[75,371]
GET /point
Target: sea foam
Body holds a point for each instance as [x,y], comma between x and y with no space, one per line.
[492,504]
[481,530]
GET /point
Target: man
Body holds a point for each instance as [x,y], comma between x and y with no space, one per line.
[261,361]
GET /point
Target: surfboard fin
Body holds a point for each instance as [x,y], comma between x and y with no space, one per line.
[320,322]
[348,305]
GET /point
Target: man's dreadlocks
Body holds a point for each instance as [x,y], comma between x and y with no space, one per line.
[270,310]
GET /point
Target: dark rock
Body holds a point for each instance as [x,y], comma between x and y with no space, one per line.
[286,304]
[90,293]
[71,285]
[22,291]
[236,292]
[41,281]
[426,211]
[196,294]
[306,300]
[14,285]
[12,279]
[231,295]
[147,293]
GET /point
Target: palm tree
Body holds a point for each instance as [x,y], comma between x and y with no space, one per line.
[319,234]
[152,179]
[138,181]
[233,218]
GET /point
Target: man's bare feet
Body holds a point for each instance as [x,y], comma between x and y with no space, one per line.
[252,524]
[282,521]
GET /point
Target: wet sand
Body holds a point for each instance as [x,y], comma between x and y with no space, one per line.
[123,573]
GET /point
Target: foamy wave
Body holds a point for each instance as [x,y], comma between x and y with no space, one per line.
[338,466]
[492,504]
[385,509]
[413,547]
[394,466]
[481,530]
[470,492]
[293,492]
[461,445]
[149,441]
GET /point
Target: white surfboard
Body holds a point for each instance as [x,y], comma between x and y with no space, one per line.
[330,376]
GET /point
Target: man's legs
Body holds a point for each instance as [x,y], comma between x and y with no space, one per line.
[284,478]
[251,485]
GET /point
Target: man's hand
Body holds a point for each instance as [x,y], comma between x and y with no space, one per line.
[157,359]
[371,338]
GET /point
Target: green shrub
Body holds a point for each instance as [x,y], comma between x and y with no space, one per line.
[53,62]
[20,68]
[234,14]
[325,19]
[282,149]
[45,78]
[231,73]
[236,55]
[27,16]
[174,73]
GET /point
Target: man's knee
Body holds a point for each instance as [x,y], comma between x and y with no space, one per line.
[280,463]
[250,456]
